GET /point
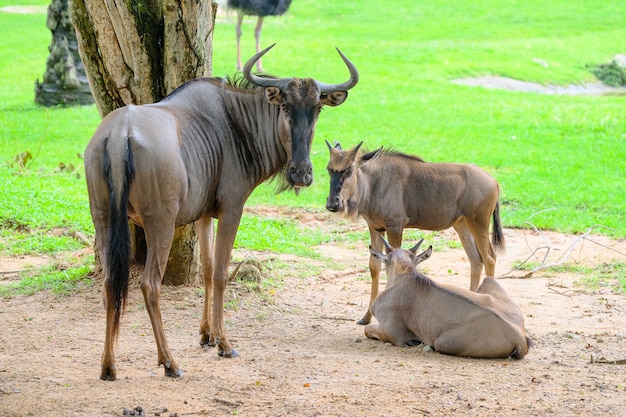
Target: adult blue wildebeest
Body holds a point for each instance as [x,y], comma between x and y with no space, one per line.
[414,309]
[393,191]
[195,156]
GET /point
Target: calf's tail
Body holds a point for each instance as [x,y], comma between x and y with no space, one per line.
[497,238]
[521,351]
[118,174]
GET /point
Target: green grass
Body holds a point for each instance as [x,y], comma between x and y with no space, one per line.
[56,278]
[612,275]
[278,235]
[560,159]
[564,153]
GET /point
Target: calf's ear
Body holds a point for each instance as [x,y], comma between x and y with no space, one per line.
[334,98]
[423,256]
[371,155]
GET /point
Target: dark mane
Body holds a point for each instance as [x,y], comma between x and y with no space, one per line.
[392,153]
[395,154]
[250,153]
[232,82]
[239,81]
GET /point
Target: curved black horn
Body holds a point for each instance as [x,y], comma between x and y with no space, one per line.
[354,78]
[261,81]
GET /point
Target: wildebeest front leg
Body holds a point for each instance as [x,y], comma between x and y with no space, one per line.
[226,232]
[374,265]
[204,228]
[395,240]
[159,241]
[396,334]
[371,332]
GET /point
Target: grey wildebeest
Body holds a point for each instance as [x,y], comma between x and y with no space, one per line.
[414,309]
[393,191]
[192,157]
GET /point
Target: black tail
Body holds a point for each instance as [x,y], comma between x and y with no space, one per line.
[118,239]
[497,238]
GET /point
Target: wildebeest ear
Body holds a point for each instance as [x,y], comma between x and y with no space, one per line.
[371,155]
[334,98]
[377,254]
[273,95]
[423,256]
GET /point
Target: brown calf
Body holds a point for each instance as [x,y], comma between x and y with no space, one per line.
[454,321]
[393,191]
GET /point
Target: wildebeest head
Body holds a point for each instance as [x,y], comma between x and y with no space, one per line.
[300,101]
[399,261]
[343,169]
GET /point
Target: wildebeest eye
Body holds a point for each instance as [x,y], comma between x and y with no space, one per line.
[348,172]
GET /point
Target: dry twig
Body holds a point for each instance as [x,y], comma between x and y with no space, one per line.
[544,265]
[602,360]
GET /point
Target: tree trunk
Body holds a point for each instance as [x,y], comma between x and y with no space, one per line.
[137,52]
[64,81]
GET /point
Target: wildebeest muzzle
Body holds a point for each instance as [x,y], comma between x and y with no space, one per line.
[300,174]
[333,203]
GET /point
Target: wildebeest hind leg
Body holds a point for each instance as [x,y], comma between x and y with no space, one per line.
[480,231]
[159,241]
[469,244]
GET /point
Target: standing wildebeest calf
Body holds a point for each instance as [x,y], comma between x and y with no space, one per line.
[195,156]
[394,191]
[455,321]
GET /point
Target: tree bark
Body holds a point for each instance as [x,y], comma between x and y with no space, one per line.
[137,52]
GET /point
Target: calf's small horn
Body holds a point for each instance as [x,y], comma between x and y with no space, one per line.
[414,249]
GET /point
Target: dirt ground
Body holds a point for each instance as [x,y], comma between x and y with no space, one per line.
[302,354]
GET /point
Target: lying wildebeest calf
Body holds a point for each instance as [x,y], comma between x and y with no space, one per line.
[455,321]
[393,191]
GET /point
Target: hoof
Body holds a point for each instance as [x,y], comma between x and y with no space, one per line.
[206,341]
[363,322]
[172,372]
[233,353]
[108,374]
